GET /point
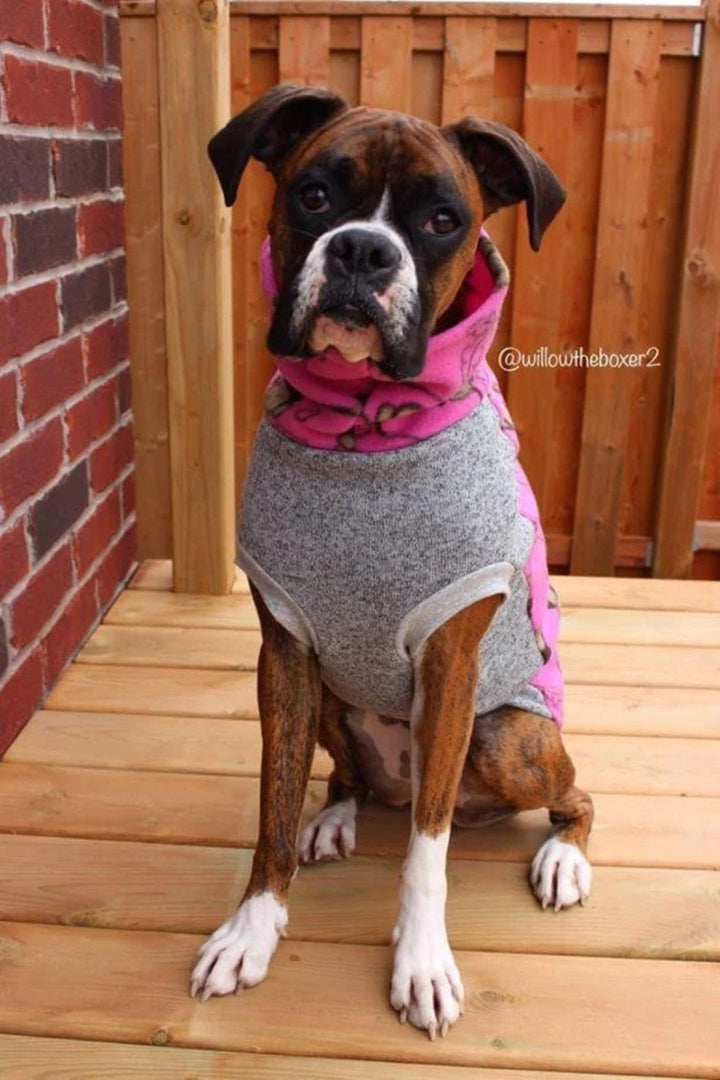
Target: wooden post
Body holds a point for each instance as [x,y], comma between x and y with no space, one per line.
[194,68]
[698,325]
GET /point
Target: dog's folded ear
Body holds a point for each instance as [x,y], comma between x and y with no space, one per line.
[268,130]
[508,171]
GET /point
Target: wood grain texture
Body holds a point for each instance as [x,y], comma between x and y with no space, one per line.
[669,914]
[386,63]
[510,9]
[304,50]
[592,709]
[615,327]
[468,68]
[232,650]
[698,327]
[146,296]
[194,82]
[537,304]
[604,763]
[68,1059]
[114,984]
[221,810]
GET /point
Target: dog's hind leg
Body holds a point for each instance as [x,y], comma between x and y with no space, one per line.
[517,761]
[331,833]
[289,695]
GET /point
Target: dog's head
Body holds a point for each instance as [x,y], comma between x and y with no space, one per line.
[376,217]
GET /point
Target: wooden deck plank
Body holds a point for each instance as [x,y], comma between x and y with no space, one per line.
[574,590]
[79,1059]
[638,593]
[629,830]
[604,763]
[588,624]
[650,913]
[183,647]
[604,710]
[128,986]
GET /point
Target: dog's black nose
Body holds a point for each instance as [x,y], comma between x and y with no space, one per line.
[365,252]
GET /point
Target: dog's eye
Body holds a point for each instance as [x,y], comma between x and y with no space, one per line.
[441,223]
[315,199]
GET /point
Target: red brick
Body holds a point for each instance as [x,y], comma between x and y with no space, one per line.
[4,648]
[8,405]
[109,459]
[115,567]
[64,638]
[96,534]
[98,102]
[28,318]
[101,227]
[80,166]
[37,93]
[128,496]
[14,559]
[40,597]
[91,417]
[105,346]
[4,269]
[52,378]
[53,515]
[24,169]
[115,163]
[85,293]
[76,30]
[23,23]
[44,239]
[20,697]
[119,278]
[112,40]
[31,465]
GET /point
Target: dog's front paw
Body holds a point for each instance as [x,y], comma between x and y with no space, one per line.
[426,988]
[238,953]
[560,874]
[331,834]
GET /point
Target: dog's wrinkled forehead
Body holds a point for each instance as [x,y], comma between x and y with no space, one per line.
[378,164]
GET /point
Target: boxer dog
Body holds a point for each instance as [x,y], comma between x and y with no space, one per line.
[391,541]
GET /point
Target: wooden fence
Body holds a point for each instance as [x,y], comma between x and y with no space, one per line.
[623,102]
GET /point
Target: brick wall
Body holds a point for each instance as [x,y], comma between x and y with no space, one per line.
[66,482]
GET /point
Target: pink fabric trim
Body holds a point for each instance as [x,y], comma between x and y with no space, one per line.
[338,405]
[334,404]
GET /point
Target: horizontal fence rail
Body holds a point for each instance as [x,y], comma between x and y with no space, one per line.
[624,105]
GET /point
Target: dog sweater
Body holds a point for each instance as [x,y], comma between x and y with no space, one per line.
[375,510]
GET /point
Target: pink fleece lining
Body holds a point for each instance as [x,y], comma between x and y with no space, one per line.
[329,403]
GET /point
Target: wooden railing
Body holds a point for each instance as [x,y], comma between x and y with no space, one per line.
[623,102]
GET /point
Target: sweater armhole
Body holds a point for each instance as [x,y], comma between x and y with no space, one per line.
[279,603]
[430,614]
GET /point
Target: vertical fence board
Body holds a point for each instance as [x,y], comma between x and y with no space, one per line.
[386,62]
[468,68]
[304,49]
[659,294]
[194,85]
[621,245]
[698,328]
[146,295]
[538,302]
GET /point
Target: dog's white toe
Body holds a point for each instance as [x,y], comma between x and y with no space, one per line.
[560,875]
[426,988]
[330,835]
[238,953]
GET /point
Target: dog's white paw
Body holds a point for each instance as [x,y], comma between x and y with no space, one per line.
[238,953]
[330,835]
[560,874]
[426,987]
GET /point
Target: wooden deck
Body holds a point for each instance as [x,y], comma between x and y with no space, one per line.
[127,813]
